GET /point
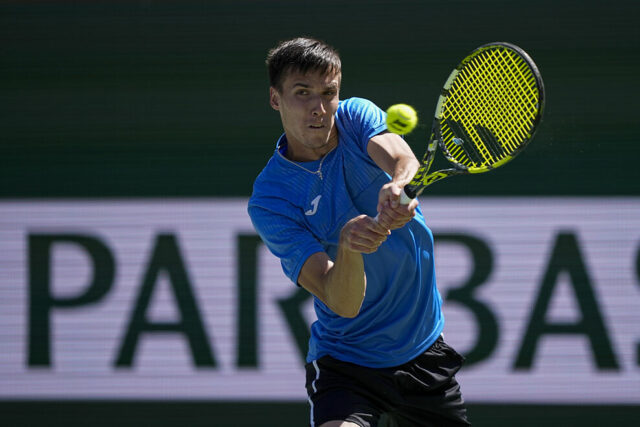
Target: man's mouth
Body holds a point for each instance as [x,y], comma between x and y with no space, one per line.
[316,126]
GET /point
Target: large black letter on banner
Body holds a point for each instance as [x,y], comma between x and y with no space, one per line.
[566,257]
[247,270]
[166,256]
[41,302]
[638,277]
[291,306]
[487,338]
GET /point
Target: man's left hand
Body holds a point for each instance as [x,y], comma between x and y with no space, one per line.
[391,213]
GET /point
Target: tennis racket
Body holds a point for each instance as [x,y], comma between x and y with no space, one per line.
[487,113]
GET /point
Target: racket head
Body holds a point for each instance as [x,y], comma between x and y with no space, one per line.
[490,108]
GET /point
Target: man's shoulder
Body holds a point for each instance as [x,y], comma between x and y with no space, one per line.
[355,103]
[359,112]
[269,192]
[268,180]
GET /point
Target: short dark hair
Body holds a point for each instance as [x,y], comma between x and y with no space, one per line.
[301,54]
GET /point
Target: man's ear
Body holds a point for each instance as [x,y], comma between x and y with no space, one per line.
[274,98]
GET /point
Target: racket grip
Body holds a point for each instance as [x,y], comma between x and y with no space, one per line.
[404,199]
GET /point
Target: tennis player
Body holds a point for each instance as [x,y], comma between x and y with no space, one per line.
[376,347]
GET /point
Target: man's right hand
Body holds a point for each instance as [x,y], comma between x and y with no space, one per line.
[363,234]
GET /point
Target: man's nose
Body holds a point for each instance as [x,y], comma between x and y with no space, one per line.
[318,108]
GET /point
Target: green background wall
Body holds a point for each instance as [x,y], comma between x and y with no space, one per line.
[169,98]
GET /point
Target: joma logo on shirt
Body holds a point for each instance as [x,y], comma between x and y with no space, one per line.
[314,206]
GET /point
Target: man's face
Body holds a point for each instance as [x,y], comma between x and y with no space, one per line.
[307,104]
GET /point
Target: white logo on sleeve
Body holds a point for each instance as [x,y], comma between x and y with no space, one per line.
[314,206]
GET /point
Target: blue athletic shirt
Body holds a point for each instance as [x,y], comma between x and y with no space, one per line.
[298,213]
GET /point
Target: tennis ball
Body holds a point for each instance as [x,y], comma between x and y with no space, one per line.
[401,119]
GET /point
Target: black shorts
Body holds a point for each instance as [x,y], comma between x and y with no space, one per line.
[422,392]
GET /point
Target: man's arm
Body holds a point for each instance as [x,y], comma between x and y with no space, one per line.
[393,155]
[341,285]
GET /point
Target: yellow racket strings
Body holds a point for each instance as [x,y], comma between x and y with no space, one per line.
[491,108]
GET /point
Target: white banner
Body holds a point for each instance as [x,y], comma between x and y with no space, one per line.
[178,299]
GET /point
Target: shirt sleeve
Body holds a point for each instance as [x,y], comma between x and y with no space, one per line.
[363,120]
[287,239]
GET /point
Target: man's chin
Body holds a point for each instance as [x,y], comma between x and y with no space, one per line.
[317,141]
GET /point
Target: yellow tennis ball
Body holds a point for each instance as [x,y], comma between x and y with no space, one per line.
[401,119]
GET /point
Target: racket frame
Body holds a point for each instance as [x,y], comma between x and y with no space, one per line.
[423,178]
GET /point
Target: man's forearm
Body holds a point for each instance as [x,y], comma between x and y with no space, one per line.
[341,284]
[346,283]
[404,170]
